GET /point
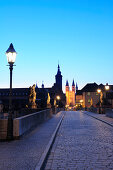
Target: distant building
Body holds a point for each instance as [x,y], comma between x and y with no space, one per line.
[20,96]
[70,94]
[58,81]
[88,96]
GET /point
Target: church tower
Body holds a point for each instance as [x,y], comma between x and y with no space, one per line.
[76,87]
[73,86]
[70,94]
[73,93]
[42,85]
[58,78]
[67,93]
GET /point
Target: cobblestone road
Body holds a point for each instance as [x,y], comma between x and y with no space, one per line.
[82,143]
[25,153]
[100,116]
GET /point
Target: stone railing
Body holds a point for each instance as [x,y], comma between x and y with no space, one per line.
[24,123]
[109,113]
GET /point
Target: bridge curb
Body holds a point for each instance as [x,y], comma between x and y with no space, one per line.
[43,158]
[99,119]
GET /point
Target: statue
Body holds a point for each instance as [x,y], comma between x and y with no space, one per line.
[48,101]
[54,102]
[32,97]
[91,102]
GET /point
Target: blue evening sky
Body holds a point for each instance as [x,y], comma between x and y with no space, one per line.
[77,33]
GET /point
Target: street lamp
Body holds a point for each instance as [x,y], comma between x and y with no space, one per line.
[58,98]
[107,89]
[99,91]
[11,57]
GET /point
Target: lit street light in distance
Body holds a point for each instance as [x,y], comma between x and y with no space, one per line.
[58,97]
[99,91]
[106,87]
[81,101]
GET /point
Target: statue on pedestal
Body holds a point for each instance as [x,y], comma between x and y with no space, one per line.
[32,97]
[48,101]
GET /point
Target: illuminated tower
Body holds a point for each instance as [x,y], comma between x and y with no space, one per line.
[58,78]
[67,93]
[73,93]
[70,94]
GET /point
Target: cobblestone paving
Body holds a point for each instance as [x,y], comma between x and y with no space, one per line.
[101,116]
[82,143]
[25,153]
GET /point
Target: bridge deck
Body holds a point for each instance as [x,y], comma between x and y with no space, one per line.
[82,142]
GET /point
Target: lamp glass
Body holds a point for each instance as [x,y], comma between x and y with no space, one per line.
[58,97]
[107,87]
[99,90]
[11,57]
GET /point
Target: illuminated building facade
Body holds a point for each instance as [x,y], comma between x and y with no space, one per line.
[70,94]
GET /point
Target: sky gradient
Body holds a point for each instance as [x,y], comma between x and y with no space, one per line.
[77,33]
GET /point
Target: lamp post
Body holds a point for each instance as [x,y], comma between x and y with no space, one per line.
[58,98]
[107,89]
[11,56]
[99,91]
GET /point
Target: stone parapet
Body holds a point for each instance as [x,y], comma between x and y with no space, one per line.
[25,123]
[3,129]
[109,113]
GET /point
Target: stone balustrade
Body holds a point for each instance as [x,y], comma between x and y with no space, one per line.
[23,124]
[109,113]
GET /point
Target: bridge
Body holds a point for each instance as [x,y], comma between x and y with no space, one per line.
[69,140]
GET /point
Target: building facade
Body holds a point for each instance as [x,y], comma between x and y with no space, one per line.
[70,94]
[88,96]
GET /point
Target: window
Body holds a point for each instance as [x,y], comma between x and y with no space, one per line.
[88,93]
[89,100]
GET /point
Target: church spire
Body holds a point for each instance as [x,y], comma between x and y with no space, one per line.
[42,84]
[58,78]
[73,84]
[76,86]
[58,72]
[67,84]
[36,85]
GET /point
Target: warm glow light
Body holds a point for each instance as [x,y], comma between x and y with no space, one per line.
[98,90]
[58,97]
[11,57]
[11,54]
[106,86]
[81,101]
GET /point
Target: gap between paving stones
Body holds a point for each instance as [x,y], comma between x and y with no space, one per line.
[46,152]
[98,119]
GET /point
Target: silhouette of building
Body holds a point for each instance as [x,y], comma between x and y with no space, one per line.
[70,94]
[20,96]
[58,81]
